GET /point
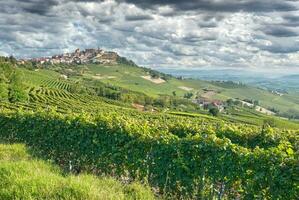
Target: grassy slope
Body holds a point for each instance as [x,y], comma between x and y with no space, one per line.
[130,77]
[22,177]
[266,99]
[249,116]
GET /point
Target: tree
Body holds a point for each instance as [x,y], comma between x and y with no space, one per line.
[230,102]
[148,100]
[256,103]
[174,93]
[188,95]
[77,88]
[214,111]
[161,102]
[17,89]
[12,59]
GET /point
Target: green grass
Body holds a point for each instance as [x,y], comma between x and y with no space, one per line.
[130,77]
[267,99]
[23,177]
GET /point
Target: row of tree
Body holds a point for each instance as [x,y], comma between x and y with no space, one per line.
[12,87]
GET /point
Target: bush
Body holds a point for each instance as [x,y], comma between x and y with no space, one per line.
[214,111]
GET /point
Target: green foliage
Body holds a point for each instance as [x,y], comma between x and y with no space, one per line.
[17,90]
[77,88]
[174,93]
[184,158]
[3,91]
[11,83]
[229,84]
[214,111]
[291,114]
[270,122]
[188,95]
[124,61]
[230,102]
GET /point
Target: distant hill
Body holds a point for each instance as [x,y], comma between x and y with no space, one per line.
[258,79]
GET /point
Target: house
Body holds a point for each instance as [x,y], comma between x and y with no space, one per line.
[205,102]
[219,104]
[62,76]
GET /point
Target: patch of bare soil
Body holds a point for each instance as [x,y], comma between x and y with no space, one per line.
[186,88]
[154,80]
[99,77]
[138,106]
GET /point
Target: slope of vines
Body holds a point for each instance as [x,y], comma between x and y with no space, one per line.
[182,157]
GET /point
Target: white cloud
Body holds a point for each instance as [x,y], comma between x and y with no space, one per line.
[160,36]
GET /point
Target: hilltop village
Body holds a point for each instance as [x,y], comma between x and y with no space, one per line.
[80,57]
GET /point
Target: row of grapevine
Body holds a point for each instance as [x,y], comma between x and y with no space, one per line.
[58,84]
[180,156]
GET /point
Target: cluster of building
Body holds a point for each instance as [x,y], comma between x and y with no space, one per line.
[81,57]
[277,93]
[205,103]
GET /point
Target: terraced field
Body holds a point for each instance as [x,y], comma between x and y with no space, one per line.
[61,85]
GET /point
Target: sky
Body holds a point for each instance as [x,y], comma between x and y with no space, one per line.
[256,35]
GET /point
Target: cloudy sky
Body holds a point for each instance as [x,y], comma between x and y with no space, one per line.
[245,34]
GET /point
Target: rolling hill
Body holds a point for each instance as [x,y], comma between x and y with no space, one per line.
[125,74]
[136,124]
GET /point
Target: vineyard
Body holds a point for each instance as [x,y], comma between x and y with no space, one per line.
[61,85]
[179,155]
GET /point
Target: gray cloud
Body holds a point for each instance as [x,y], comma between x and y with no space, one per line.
[36,6]
[199,33]
[281,49]
[291,20]
[280,31]
[220,6]
[138,17]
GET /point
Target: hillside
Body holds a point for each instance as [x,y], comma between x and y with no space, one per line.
[125,74]
[138,125]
